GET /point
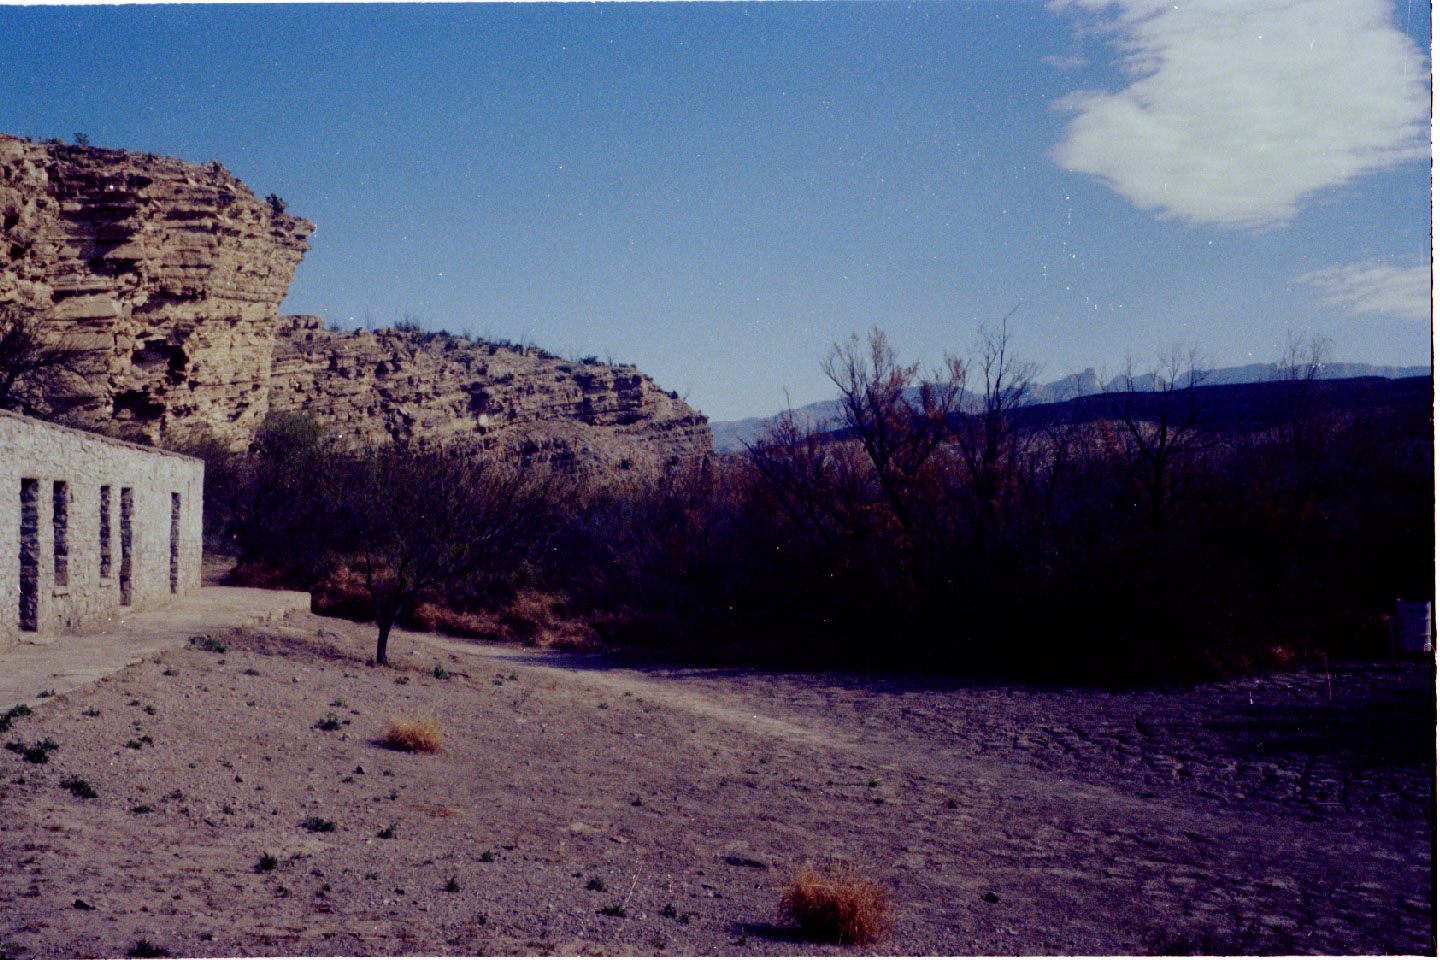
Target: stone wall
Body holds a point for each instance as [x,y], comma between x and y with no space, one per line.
[64,557]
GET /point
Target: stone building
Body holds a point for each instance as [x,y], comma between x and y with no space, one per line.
[90,527]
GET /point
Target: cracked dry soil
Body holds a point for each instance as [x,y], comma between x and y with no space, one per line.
[584,806]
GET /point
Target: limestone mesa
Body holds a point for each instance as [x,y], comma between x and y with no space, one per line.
[169,276]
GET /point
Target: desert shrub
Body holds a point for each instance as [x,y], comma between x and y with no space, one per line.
[37,752]
[836,904]
[80,788]
[318,825]
[412,736]
[266,863]
[145,948]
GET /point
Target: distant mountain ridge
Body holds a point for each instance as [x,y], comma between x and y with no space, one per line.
[732,435]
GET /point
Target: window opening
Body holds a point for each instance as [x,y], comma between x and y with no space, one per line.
[29,554]
[105,531]
[60,533]
[127,545]
[174,543]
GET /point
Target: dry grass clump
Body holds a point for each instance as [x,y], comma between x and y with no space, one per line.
[412,736]
[837,904]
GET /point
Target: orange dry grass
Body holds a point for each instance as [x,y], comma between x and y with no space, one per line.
[836,905]
[412,736]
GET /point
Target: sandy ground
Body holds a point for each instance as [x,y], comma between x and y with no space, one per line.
[1290,814]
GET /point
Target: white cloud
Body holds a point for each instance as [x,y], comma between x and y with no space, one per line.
[1241,109]
[1375,288]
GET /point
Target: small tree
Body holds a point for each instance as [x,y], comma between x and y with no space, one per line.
[40,372]
[1160,412]
[423,518]
[899,420]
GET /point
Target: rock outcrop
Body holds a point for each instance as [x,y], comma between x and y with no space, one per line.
[169,277]
[515,402]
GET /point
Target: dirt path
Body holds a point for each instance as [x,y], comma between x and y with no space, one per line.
[583,806]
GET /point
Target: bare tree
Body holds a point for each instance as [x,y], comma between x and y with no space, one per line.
[40,373]
[986,435]
[1301,365]
[423,518]
[1160,411]
[899,420]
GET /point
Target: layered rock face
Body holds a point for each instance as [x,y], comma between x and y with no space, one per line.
[520,404]
[169,275]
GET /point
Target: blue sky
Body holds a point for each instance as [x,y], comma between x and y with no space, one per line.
[719,192]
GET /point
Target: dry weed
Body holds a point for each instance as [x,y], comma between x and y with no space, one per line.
[837,904]
[412,736]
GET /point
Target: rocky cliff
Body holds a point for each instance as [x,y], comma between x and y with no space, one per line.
[519,403]
[169,276]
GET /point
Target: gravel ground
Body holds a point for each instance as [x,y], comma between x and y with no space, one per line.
[583,806]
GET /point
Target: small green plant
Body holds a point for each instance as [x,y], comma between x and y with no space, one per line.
[91,712]
[331,722]
[208,644]
[175,795]
[402,680]
[141,808]
[19,710]
[168,672]
[613,910]
[266,863]
[43,694]
[372,876]
[144,948]
[277,204]
[38,752]
[440,672]
[487,856]
[318,825]
[669,912]
[338,703]
[228,810]
[452,885]
[604,706]
[134,744]
[81,788]
[388,833]
[596,884]
[250,672]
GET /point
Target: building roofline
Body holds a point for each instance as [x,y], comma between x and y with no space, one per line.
[100,437]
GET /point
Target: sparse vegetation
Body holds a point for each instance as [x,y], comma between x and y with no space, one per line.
[20,710]
[145,948]
[613,910]
[596,884]
[836,904]
[80,788]
[452,885]
[37,752]
[330,722]
[208,644]
[318,825]
[412,736]
[266,863]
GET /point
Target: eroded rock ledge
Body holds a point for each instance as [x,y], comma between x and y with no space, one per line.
[512,401]
[170,275]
